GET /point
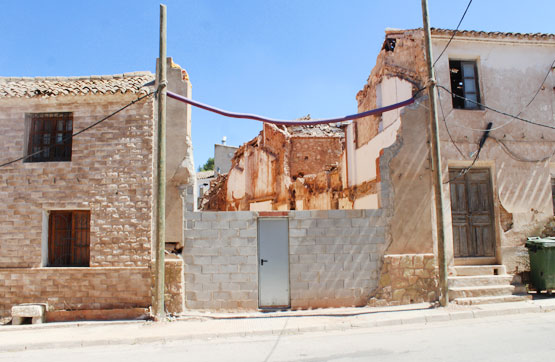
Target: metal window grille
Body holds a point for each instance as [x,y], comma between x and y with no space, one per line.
[51,133]
[69,238]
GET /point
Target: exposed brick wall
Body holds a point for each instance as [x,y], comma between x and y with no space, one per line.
[310,155]
[110,174]
[335,257]
[75,288]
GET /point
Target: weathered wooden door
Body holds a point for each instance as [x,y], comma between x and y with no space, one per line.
[472,213]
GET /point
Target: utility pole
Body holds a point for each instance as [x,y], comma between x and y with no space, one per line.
[160,244]
[438,177]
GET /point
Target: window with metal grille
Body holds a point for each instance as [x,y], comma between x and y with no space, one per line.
[464,83]
[69,238]
[49,136]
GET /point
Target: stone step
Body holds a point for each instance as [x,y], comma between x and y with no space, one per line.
[480,291]
[493,299]
[479,280]
[468,270]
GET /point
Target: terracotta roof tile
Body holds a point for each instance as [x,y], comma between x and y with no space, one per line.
[57,86]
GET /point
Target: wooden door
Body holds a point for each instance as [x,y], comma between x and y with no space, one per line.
[472,213]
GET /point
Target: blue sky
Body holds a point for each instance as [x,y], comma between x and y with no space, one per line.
[281,59]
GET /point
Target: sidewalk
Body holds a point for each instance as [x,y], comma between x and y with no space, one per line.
[218,325]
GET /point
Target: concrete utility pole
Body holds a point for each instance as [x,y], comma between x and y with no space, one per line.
[438,177]
[160,247]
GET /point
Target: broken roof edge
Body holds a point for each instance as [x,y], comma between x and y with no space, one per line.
[494,35]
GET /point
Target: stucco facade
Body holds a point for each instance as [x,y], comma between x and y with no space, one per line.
[517,155]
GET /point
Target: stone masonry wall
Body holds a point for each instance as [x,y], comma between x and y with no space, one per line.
[75,288]
[335,257]
[406,279]
[110,174]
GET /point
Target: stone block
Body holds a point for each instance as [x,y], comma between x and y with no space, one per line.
[22,312]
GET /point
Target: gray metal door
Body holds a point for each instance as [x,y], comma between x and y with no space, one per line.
[273,262]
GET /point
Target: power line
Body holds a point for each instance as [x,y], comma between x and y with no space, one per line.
[522,110]
[67,138]
[465,170]
[294,122]
[539,88]
[516,157]
[447,127]
[495,110]
[454,32]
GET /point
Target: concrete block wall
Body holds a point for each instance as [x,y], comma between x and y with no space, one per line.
[221,260]
[75,288]
[335,257]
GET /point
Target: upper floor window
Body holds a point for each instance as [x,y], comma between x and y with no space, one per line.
[49,136]
[464,83]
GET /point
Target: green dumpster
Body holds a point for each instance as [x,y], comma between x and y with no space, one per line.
[542,262]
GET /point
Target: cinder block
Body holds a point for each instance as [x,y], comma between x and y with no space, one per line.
[220,225]
[210,215]
[248,233]
[300,214]
[297,232]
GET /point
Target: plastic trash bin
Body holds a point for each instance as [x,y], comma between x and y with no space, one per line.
[542,263]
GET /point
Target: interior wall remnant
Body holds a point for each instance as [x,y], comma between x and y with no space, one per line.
[180,170]
[285,168]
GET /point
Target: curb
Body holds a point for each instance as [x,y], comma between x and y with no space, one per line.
[425,317]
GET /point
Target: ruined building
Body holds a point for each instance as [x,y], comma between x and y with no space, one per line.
[284,168]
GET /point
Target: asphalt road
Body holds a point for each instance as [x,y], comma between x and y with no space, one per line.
[527,337]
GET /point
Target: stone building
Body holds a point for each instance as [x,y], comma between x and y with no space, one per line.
[76,224]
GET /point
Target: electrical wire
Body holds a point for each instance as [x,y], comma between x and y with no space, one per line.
[495,110]
[447,127]
[516,157]
[483,140]
[67,138]
[522,110]
[454,32]
[294,122]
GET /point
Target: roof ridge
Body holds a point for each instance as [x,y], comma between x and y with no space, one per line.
[462,32]
[77,78]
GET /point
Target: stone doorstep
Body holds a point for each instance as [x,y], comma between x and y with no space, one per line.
[37,313]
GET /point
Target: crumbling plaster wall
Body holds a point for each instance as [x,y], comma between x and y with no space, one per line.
[510,71]
[180,169]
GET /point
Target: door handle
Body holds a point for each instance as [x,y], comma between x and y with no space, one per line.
[262,261]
